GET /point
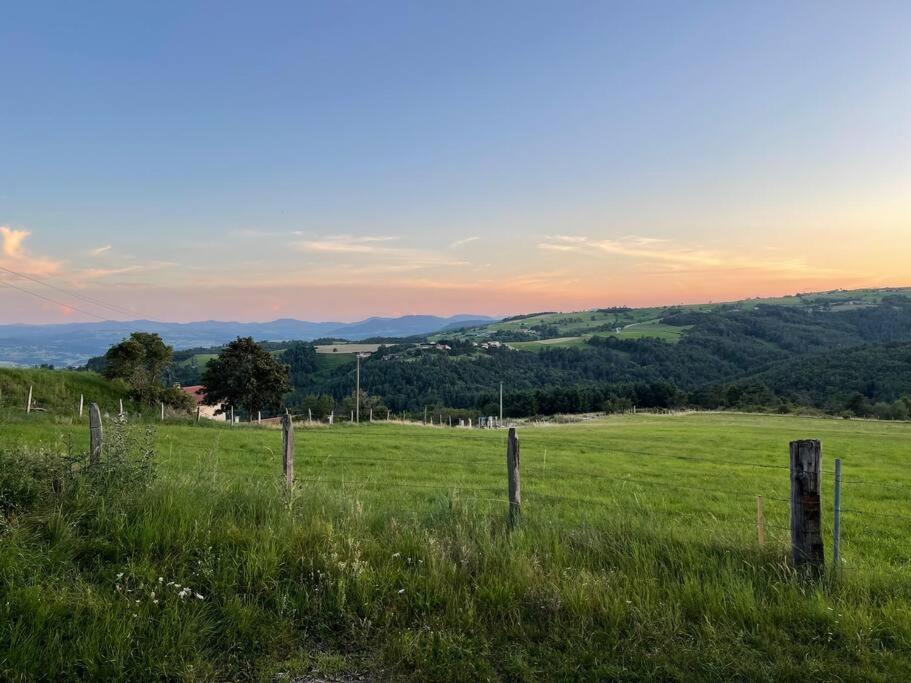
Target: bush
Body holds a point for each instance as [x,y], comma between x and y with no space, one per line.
[32,478]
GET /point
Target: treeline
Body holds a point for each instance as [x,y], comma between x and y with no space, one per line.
[854,362]
[773,357]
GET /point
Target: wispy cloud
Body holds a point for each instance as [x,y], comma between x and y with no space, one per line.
[348,244]
[675,258]
[98,251]
[462,242]
[16,257]
[98,273]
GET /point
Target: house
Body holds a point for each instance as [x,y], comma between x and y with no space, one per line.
[205,411]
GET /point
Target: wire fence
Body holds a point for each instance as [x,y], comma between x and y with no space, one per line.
[724,498]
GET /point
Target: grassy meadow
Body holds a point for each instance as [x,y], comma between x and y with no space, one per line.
[636,556]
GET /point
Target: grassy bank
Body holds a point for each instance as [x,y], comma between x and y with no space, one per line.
[636,557]
[58,391]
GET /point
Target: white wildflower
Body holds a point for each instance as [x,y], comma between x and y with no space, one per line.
[198,596]
[401,590]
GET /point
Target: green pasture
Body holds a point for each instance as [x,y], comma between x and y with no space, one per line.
[636,556]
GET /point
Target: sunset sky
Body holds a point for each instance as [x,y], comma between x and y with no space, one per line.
[187,161]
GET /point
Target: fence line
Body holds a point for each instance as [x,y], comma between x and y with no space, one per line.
[806,522]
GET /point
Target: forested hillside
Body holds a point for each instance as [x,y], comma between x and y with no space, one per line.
[770,356]
[840,353]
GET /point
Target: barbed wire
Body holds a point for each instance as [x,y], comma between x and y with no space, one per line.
[696,458]
[890,515]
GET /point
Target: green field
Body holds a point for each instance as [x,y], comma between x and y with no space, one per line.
[576,326]
[636,555]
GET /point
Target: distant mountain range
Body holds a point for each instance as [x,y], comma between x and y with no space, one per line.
[71,344]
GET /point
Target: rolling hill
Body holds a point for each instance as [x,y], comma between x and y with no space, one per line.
[74,343]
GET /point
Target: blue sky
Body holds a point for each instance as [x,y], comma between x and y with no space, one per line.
[248,161]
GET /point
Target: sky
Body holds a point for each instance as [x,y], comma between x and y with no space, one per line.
[184,161]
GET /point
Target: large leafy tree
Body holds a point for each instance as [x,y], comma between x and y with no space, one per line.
[140,361]
[247,376]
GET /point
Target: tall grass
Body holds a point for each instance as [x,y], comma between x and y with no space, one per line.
[252,581]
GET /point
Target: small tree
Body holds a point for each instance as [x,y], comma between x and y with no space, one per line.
[140,361]
[247,376]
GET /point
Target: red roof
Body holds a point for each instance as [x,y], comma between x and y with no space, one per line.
[195,391]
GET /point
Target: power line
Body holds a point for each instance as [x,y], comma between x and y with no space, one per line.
[75,295]
[53,301]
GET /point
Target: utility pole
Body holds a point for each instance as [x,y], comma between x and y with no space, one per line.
[357,390]
[501,403]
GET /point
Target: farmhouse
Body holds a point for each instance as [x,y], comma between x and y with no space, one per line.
[205,411]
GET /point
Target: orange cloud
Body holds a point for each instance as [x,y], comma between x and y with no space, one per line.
[15,256]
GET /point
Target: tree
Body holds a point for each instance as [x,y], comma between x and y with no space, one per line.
[140,361]
[247,376]
[301,361]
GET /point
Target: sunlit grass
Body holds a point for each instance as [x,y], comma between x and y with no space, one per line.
[636,556]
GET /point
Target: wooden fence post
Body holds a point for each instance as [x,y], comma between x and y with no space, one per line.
[309,416]
[836,528]
[259,417]
[197,414]
[96,435]
[760,520]
[162,411]
[512,474]
[80,405]
[288,448]
[806,512]
[371,415]
[28,404]
[121,408]
[232,416]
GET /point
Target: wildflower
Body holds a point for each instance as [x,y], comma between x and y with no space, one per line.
[160,579]
[401,590]
[120,576]
[155,601]
[396,554]
[198,596]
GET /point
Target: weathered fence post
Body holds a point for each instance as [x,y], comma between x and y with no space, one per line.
[425,412]
[121,407]
[760,520]
[512,474]
[371,415]
[836,528]
[80,405]
[28,403]
[96,436]
[259,417]
[197,414]
[162,411]
[288,448]
[309,416]
[232,416]
[806,512]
